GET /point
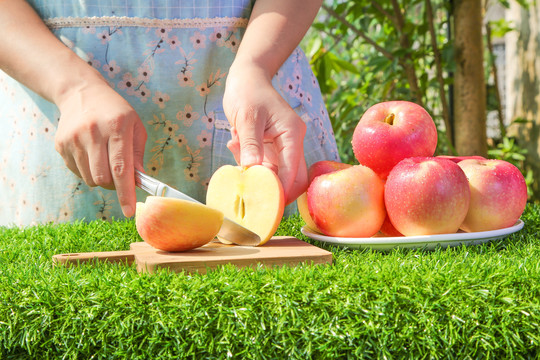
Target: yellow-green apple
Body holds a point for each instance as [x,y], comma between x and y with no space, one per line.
[391,131]
[176,225]
[498,194]
[426,196]
[457,159]
[347,202]
[251,196]
[316,169]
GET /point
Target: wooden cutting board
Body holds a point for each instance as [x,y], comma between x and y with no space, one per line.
[278,251]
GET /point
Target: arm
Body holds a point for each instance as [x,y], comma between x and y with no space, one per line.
[265,128]
[99,135]
[275,29]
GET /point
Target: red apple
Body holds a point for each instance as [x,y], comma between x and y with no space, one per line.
[457,159]
[426,196]
[388,229]
[498,194]
[391,131]
[347,202]
[324,167]
[176,225]
[316,169]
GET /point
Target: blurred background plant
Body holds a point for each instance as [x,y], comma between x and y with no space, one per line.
[367,51]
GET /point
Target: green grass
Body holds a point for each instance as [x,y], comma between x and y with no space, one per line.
[477,302]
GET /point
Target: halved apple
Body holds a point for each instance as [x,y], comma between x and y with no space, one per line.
[253,197]
[170,224]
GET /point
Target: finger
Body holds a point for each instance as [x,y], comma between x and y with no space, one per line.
[139,142]
[71,164]
[300,183]
[80,165]
[67,156]
[122,169]
[250,137]
[98,158]
[234,145]
[270,159]
[290,150]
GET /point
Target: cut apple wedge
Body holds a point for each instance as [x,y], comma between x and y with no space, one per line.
[170,224]
[253,197]
[303,210]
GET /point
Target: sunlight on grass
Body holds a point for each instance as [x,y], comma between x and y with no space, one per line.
[477,302]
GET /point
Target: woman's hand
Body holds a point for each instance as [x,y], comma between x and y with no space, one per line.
[100,136]
[101,139]
[265,129]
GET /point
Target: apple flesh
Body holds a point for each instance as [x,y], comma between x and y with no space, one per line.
[498,194]
[347,202]
[316,169]
[426,196]
[176,225]
[253,197]
[391,131]
[303,210]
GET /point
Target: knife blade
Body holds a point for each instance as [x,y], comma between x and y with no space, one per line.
[229,231]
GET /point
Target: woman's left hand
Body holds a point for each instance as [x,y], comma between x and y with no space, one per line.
[265,129]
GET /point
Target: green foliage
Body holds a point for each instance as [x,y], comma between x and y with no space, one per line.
[465,302]
[509,150]
[501,27]
[362,53]
[359,51]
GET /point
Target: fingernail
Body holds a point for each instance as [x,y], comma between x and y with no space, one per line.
[248,159]
[127,210]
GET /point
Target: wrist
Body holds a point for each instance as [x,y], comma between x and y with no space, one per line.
[79,77]
[252,67]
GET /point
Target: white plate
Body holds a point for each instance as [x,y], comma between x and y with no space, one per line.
[428,242]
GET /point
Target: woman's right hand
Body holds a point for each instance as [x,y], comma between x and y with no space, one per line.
[101,139]
[100,136]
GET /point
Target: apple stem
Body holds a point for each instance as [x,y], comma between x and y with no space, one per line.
[389,119]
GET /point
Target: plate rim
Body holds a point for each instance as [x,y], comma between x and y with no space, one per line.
[423,239]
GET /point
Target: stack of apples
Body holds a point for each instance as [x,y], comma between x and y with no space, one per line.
[400,188]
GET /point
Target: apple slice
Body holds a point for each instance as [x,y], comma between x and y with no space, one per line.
[253,197]
[303,210]
[176,225]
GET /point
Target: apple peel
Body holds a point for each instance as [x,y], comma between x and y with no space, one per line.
[173,225]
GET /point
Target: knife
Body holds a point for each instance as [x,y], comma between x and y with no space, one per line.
[230,230]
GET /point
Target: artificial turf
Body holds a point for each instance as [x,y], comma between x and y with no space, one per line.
[467,302]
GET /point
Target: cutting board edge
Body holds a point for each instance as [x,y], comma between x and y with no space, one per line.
[202,268]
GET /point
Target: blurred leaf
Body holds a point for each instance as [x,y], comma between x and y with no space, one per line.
[500,27]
